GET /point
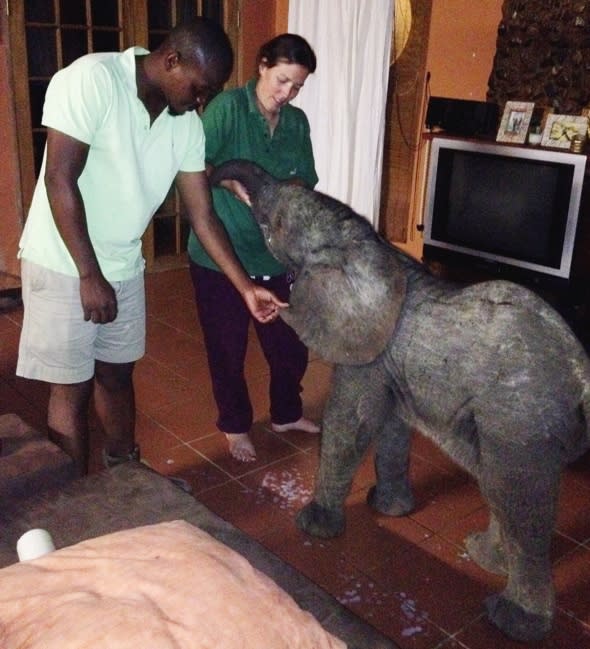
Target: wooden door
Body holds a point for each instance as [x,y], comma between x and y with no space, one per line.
[46,35]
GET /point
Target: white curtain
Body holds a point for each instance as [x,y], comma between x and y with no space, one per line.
[345,98]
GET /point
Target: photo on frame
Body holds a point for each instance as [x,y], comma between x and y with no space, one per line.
[561,129]
[515,121]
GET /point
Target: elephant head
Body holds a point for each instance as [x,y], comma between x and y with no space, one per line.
[349,286]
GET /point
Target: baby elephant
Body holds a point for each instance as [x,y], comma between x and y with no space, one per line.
[490,372]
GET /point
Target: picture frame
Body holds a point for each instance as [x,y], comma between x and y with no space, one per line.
[515,121]
[560,129]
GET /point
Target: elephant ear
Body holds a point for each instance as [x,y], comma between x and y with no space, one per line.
[347,313]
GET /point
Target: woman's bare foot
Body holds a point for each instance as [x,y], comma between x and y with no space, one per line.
[306,425]
[241,447]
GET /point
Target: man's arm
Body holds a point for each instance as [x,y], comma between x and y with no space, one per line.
[196,196]
[66,158]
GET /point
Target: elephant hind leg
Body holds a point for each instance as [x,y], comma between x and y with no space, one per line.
[505,610]
[516,622]
[523,505]
[486,548]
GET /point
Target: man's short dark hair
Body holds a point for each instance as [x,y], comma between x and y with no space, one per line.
[203,42]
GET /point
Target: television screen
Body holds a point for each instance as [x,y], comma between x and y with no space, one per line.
[512,205]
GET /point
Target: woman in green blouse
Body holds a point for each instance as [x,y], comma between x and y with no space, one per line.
[255,122]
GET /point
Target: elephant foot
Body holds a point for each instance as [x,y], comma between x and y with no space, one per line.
[396,506]
[516,622]
[487,554]
[319,521]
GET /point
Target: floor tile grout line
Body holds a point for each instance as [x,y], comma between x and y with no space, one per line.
[157,423]
[166,323]
[255,468]
[164,365]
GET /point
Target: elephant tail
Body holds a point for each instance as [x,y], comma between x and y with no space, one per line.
[252,176]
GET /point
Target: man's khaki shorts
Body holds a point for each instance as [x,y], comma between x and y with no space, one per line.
[57,345]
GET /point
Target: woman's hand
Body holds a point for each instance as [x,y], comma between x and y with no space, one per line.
[263,304]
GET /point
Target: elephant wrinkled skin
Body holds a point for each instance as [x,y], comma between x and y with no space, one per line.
[490,372]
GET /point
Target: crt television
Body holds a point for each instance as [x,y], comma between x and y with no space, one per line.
[503,206]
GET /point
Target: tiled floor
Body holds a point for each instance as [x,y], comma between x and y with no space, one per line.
[410,577]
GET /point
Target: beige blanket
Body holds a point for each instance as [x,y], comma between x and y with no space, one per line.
[165,586]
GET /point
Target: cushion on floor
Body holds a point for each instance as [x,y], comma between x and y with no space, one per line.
[164,586]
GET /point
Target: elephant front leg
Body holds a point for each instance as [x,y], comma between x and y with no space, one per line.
[353,413]
[340,456]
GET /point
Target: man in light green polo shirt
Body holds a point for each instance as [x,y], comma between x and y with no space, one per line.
[121,127]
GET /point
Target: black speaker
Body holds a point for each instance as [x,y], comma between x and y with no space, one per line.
[463,117]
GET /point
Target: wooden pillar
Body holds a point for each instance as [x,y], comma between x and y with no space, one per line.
[405,110]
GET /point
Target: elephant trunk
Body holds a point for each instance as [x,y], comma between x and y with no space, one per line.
[253,177]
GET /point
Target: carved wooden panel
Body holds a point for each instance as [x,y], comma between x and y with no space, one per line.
[406,93]
[543,54]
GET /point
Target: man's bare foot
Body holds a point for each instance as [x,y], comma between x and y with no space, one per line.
[306,425]
[241,447]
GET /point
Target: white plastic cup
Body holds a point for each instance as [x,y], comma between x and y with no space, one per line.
[33,544]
